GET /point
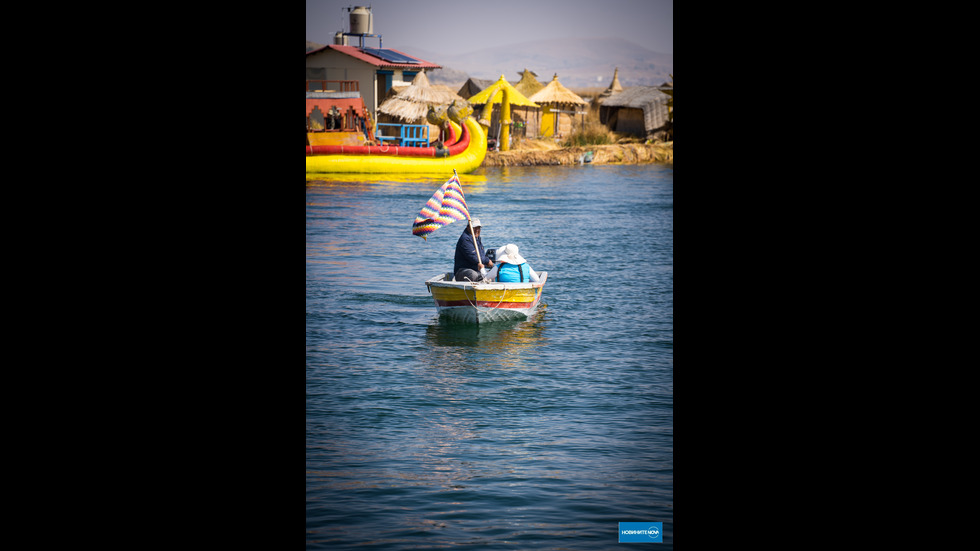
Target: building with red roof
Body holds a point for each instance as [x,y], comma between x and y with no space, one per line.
[373,69]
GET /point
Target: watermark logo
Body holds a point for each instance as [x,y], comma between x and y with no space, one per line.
[636,532]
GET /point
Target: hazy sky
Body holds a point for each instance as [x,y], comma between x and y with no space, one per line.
[434,25]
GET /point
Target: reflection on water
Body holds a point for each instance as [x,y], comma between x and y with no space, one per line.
[499,344]
[489,337]
[333,180]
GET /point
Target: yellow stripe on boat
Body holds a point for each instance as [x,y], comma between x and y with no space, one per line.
[507,295]
[467,161]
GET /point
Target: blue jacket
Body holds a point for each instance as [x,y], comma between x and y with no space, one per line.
[466,255]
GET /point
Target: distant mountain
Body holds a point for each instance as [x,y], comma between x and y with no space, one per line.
[581,63]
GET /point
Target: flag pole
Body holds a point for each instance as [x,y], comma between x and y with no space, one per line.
[469,222]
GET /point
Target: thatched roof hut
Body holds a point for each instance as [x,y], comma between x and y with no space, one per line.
[555,98]
[555,93]
[421,93]
[639,110]
[396,104]
[410,104]
[522,126]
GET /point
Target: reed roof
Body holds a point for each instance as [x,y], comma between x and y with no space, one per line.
[412,102]
[409,110]
[637,97]
[516,98]
[554,92]
[615,86]
[422,91]
[528,85]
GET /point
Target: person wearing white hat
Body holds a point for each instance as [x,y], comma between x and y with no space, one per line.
[470,260]
[511,267]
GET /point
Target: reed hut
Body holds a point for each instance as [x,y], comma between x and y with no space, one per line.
[410,104]
[638,110]
[517,99]
[558,107]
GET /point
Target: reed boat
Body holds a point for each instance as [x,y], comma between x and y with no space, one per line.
[481,302]
[464,155]
[340,138]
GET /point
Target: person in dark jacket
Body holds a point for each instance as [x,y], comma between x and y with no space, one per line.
[470,260]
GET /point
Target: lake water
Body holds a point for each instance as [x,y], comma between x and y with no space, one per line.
[541,434]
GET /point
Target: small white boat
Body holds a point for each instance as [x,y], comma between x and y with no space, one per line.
[481,302]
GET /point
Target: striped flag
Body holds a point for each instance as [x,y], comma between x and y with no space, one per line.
[446,206]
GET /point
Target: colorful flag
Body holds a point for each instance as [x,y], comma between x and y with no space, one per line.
[446,206]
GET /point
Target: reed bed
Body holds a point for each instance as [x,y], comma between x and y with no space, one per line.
[591,133]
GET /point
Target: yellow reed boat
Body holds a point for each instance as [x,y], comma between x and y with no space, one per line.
[465,155]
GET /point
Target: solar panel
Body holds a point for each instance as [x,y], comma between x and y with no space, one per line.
[390,55]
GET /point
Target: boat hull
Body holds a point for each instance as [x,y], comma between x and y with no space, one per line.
[408,160]
[467,302]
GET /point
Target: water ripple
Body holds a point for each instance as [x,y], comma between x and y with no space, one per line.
[541,434]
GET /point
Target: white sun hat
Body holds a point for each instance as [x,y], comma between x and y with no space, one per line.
[476,222]
[508,253]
